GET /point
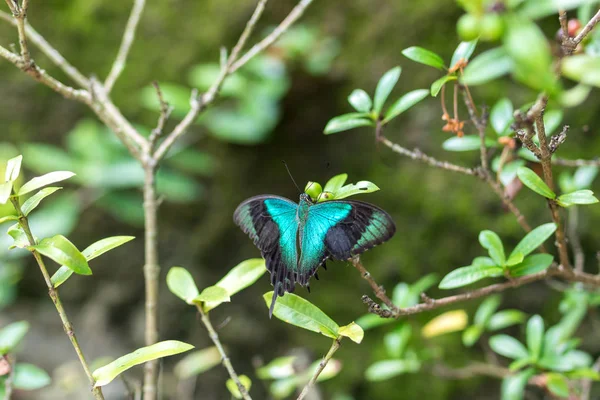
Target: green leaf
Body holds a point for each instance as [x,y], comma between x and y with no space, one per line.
[486,309]
[397,340]
[35,200]
[11,335]
[520,363]
[356,188]
[44,180]
[471,335]
[492,243]
[404,103]
[534,182]
[466,275]
[583,373]
[463,52]
[384,88]
[233,388]
[501,116]
[487,66]
[448,322]
[300,312]
[13,168]
[557,384]
[182,285]
[7,218]
[344,123]
[508,346]
[104,375]
[424,56]
[335,183]
[530,51]
[584,196]
[360,100]
[505,318]
[466,143]
[532,264]
[514,259]
[439,83]
[30,377]
[352,331]
[92,251]
[535,9]
[574,96]
[535,336]
[5,190]
[240,277]
[197,362]
[513,386]
[386,369]
[583,68]
[19,237]
[279,368]
[61,250]
[584,177]
[370,321]
[534,239]
[213,294]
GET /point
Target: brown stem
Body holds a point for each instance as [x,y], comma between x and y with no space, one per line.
[334,347]
[377,289]
[68,327]
[468,100]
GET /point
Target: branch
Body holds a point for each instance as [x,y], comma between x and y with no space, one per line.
[128,37]
[334,347]
[292,17]
[576,163]
[198,104]
[165,112]
[24,223]
[377,289]
[50,52]
[224,358]
[587,28]
[479,124]
[418,155]
[20,14]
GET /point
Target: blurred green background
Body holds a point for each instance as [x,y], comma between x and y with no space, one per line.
[274,109]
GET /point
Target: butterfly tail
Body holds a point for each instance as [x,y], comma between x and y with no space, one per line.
[275,295]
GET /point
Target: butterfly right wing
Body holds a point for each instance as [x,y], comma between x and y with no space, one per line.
[271,223]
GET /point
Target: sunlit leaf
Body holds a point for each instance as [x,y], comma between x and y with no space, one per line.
[386,369]
[240,277]
[107,373]
[5,191]
[352,331]
[233,388]
[44,180]
[437,85]
[61,250]
[181,284]
[278,368]
[197,362]
[13,168]
[534,182]
[492,243]
[448,322]
[18,234]
[466,143]
[535,336]
[508,346]
[466,275]
[300,312]
[404,103]
[487,66]
[557,384]
[360,100]
[463,51]
[31,203]
[424,56]
[344,123]
[505,318]
[356,188]
[384,88]
[584,196]
[335,183]
[532,264]
[11,335]
[486,309]
[215,294]
[501,115]
[534,239]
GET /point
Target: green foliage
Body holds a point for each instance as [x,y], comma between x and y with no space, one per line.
[182,285]
[61,250]
[234,390]
[466,143]
[30,377]
[335,189]
[104,375]
[286,378]
[535,183]
[488,320]
[197,362]
[11,335]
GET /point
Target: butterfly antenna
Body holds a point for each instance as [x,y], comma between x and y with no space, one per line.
[290,174]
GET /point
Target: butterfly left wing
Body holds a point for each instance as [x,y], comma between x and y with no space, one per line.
[340,230]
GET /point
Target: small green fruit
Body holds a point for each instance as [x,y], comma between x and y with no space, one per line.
[324,196]
[468,27]
[313,189]
[491,27]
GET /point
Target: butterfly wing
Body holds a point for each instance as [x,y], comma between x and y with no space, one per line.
[271,223]
[346,229]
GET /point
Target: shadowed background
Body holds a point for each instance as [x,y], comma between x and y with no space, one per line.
[276,111]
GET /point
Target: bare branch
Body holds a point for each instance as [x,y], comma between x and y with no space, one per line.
[378,290]
[417,154]
[587,28]
[224,358]
[510,205]
[479,124]
[334,347]
[165,112]
[292,17]
[128,37]
[576,163]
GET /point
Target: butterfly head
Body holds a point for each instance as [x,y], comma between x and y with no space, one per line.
[304,197]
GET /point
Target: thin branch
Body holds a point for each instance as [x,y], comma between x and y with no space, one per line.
[377,289]
[197,104]
[128,37]
[292,17]
[68,327]
[20,17]
[479,124]
[417,154]
[53,54]
[165,112]
[576,163]
[224,358]
[334,347]
[587,28]
[8,382]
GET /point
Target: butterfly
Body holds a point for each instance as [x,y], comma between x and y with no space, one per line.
[296,239]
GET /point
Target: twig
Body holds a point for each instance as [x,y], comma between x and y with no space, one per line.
[377,289]
[334,347]
[417,154]
[128,37]
[587,28]
[8,382]
[562,19]
[165,112]
[292,17]
[509,204]
[224,358]
[479,124]
[576,163]
[24,223]
[20,14]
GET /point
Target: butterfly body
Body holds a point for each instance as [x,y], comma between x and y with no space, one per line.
[296,239]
